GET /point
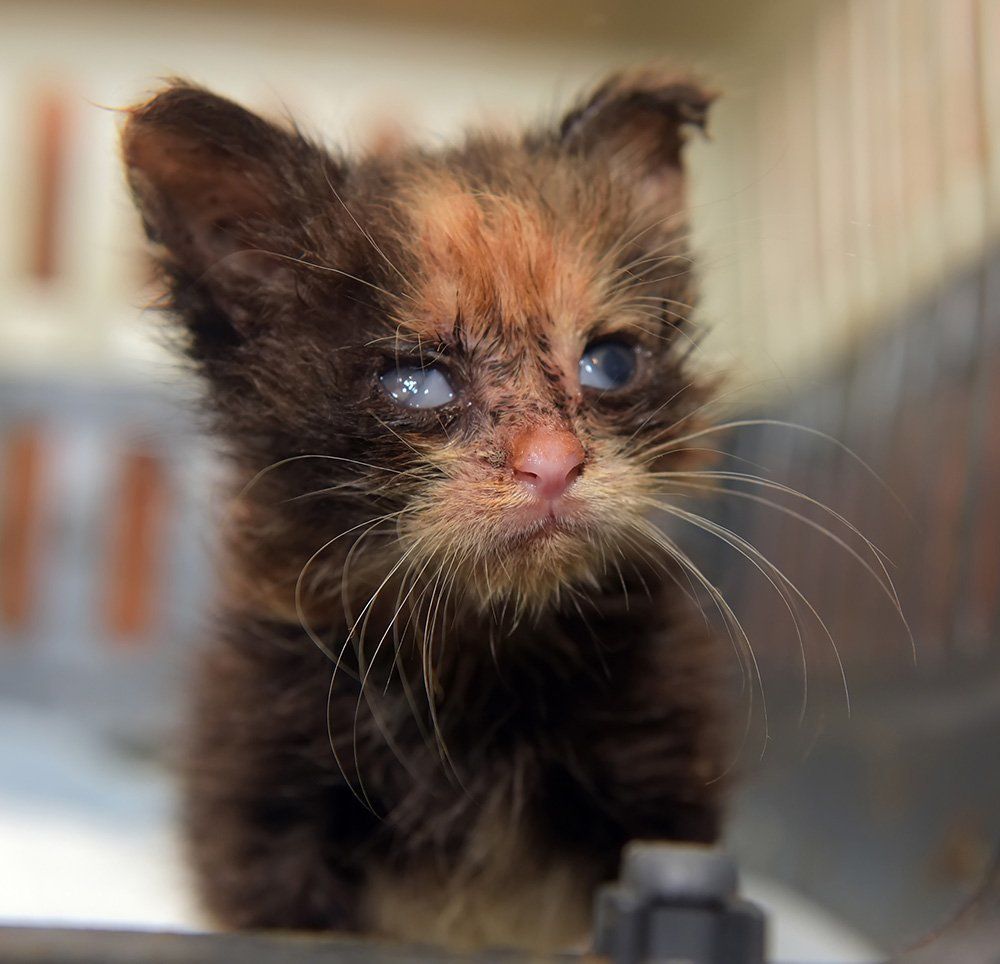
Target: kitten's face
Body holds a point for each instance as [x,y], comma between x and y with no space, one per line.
[526,375]
[486,345]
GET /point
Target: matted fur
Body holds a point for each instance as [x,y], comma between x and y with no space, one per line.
[419,716]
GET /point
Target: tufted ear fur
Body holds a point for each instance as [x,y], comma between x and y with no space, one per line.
[223,191]
[636,123]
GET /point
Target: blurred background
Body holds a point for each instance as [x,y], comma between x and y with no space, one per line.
[846,211]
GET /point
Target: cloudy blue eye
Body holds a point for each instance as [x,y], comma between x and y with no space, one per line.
[416,386]
[607,365]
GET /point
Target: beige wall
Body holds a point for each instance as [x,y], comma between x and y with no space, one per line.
[340,74]
[862,166]
[852,161]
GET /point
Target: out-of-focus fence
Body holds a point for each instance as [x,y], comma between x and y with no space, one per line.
[904,785]
[105,538]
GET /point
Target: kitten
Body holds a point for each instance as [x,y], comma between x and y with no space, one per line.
[454,672]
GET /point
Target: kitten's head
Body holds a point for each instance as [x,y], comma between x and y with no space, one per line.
[486,344]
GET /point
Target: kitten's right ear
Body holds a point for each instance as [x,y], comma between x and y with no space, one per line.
[213,182]
[636,123]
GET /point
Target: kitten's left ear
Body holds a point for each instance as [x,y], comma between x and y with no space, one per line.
[220,190]
[637,123]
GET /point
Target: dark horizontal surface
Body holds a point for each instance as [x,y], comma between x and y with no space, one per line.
[29,945]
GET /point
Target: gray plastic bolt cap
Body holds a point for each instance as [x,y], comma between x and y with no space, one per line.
[685,872]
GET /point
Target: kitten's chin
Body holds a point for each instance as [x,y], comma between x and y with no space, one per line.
[539,565]
[525,556]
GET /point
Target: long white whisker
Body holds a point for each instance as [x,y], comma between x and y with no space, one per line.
[363,692]
[738,542]
[748,422]
[326,267]
[731,619]
[299,582]
[778,588]
[762,482]
[883,579]
[368,237]
[334,458]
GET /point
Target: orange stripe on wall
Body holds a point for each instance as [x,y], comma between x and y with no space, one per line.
[50,157]
[20,526]
[136,549]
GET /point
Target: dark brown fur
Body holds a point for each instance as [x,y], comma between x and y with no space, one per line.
[527,706]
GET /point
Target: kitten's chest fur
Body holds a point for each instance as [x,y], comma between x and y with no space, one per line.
[488,822]
[477,835]
[503,888]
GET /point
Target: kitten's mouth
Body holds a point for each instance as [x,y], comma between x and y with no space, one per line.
[540,523]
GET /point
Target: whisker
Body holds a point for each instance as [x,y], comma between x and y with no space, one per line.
[386,733]
[659,408]
[738,543]
[444,595]
[333,458]
[847,450]
[299,609]
[883,580]
[749,479]
[367,235]
[731,620]
[362,797]
[778,588]
[409,445]
[362,620]
[325,267]
[427,650]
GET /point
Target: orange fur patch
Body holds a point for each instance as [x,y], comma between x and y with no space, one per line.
[506,267]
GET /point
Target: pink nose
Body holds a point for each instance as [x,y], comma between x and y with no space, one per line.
[547,460]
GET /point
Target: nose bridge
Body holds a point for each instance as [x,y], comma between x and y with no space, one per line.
[530,377]
[531,421]
[531,401]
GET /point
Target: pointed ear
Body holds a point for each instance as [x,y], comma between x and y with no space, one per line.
[637,123]
[220,188]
